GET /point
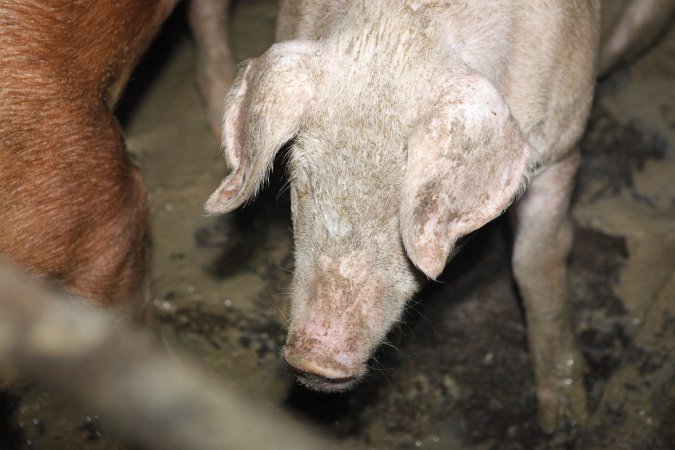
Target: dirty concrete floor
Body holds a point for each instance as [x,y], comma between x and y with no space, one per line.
[460,377]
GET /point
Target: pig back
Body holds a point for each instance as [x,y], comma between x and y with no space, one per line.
[89,47]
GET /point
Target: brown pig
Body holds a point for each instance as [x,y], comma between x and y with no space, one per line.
[72,204]
[414,123]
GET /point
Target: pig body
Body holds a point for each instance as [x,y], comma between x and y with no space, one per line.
[414,123]
[72,204]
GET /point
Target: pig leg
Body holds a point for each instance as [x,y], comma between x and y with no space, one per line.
[542,245]
[76,216]
[215,64]
[640,24]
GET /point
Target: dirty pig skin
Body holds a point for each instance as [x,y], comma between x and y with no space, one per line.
[72,204]
[412,124]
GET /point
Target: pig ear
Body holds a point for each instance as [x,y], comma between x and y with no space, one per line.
[262,113]
[467,162]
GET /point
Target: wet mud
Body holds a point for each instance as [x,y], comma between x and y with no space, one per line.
[458,373]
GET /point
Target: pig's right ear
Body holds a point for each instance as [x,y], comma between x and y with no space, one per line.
[467,161]
[262,113]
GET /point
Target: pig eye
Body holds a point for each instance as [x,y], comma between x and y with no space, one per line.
[296,195]
[297,168]
[300,184]
[298,209]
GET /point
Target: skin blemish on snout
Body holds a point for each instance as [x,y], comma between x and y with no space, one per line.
[343,323]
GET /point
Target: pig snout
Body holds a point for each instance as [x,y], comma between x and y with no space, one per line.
[342,310]
[324,354]
[320,366]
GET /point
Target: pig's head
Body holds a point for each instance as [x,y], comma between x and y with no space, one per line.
[389,167]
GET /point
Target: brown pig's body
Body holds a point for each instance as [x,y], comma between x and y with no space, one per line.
[72,204]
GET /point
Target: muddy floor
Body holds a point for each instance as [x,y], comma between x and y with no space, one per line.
[459,376]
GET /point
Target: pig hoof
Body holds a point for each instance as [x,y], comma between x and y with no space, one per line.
[563,406]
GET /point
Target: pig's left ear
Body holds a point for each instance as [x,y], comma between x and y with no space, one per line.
[262,113]
[467,162]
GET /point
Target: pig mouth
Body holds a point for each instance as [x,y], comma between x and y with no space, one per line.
[328,385]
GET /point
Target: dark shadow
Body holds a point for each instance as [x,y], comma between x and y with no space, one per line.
[332,409]
[10,436]
[245,232]
[174,31]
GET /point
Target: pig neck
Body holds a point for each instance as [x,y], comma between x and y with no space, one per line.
[388,70]
[524,51]
[385,75]
[433,34]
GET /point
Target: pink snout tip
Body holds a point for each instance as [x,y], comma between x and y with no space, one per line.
[321,373]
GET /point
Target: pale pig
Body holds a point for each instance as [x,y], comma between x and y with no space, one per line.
[414,123]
